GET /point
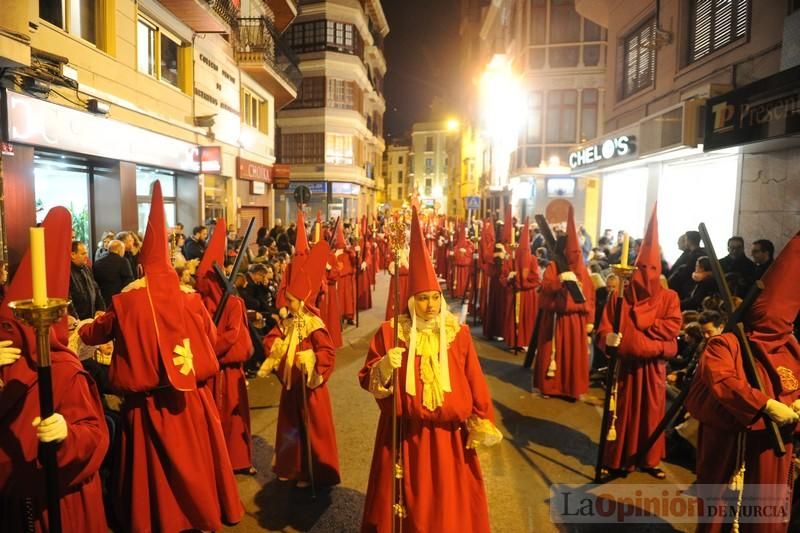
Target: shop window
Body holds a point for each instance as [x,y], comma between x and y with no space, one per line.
[78,17]
[338,149]
[588,114]
[713,24]
[639,59]
[160,55]
[63,180]
[145,177]
[254,111]
[562,111]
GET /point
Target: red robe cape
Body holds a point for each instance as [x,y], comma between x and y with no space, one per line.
[563,321]
[364,279]
[726,406]
[494,319]
[443,485]
[375,263]
[329,305]
[79,456]
[229,387]
[174,468]
[290,449]
[346,284]
[649,336]
[403,292]
[463,270]
[524,299]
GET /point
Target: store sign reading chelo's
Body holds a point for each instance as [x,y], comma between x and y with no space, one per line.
[609,149]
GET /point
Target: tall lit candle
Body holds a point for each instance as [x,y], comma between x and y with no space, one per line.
[625,248]
[513,234]
[38,271]
[316,233]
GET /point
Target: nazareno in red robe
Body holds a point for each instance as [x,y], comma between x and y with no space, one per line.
[462,276]
[523,298]
[229,387]
[329,304]
[650,330]
[494,319]
[364,282]
[79,456]
[290,449]
[443,485]
[346,284]
[727,407]
[563,322]
[403,292]
[174,469]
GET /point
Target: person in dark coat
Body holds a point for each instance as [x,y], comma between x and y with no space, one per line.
[703,285]
[763,252]
[84,293]
[680,275]
[196,245]
[736,262]
[113,272]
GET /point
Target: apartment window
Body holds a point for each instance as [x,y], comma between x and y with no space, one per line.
[399,176]
[591,52]
[534,126]
[158,53]
[340,94]
[429,165]
[713,24]
[321,35]
[533,156]
[399,193]
[302,148]
[588,114]
[338,149]
[429,143]
[81,19]
[639,59]
[538,22]
[400,159]
[254,111]
[562,115]
[310,94]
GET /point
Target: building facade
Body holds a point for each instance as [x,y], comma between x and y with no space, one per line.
[432,144]
[101,98]
[674,67]
[396,182]
[558,59]
[332,134]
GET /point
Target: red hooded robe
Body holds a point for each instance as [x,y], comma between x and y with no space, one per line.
[521,307]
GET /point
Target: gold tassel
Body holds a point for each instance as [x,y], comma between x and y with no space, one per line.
[612,404]
[612,433]
[737,480]
[551,370]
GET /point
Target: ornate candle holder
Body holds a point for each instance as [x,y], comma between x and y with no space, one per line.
[40,318]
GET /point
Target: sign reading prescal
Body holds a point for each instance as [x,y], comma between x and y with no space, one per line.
[612,148]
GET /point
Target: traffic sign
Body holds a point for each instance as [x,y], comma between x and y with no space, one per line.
[473,202]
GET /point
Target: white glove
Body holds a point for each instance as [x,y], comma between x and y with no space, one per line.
[451,253]
[305,361]
[51,429]
[613,339]
[781,413]
[512,275]
[462,250]
[589,327]
[357,249]
[363,266]
[393,359]
[391,268]
[8,354]
[267,366]
[567,276]
[338,252]
[328,266]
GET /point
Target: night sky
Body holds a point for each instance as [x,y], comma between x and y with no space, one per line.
[422,56]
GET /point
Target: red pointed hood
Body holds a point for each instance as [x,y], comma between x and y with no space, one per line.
[340,242]
[306,273]
[487,241]
[58,246]
[523,255]
[207,284]
[771,318]
[646,281]
[461,241]
[421,276]
[301,239]
[154,255]
[572,249]
[508,226]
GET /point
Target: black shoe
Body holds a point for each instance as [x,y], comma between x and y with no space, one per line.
[250,373]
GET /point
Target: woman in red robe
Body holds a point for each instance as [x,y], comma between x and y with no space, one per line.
[300,348]
[445,411]
[649,328]
[734,447]
[562,355]
[521,307]
[77,425]
[174,469]
[233,348]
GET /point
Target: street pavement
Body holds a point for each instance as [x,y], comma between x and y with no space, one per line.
[546,441]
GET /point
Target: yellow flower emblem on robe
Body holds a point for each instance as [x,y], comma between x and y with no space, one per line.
[184,357]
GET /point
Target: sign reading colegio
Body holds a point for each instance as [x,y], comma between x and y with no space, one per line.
[614,147]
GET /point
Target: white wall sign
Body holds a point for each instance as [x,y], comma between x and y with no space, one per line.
[608,149]
[39,123]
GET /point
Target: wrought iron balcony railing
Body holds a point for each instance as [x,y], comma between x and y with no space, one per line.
[227,10]
[259,40]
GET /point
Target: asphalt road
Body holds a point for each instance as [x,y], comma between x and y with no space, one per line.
[547,441]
